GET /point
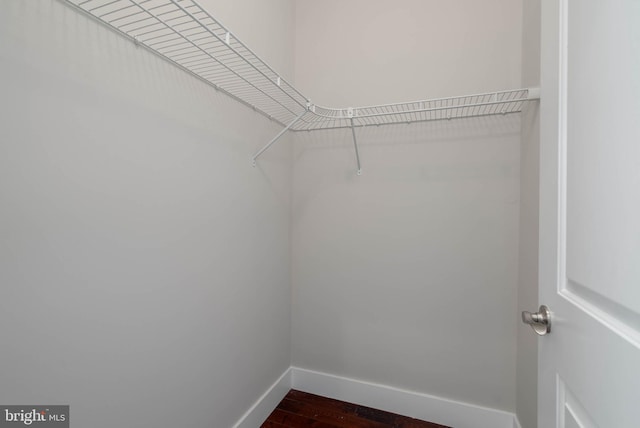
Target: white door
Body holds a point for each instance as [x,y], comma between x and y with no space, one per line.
[589,366]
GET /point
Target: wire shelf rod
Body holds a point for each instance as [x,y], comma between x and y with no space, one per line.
[395,111]
[184,33]
[206,53]
[512,92]
[262,62]
[104,5]
[177,37]
[185,69]
[131,6]
[230,47]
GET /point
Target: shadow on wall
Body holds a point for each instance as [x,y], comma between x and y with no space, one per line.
[481,148]
[160,84]
[468,129]
[468,149]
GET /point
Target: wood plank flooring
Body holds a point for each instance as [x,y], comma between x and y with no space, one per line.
[302,410]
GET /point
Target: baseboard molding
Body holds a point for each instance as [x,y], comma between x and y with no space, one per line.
[414,404]
[421,406]
[261,409]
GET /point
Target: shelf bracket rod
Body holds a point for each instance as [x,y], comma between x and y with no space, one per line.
[355,145]
[277,137]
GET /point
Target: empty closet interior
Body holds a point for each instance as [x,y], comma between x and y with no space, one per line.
[337,196]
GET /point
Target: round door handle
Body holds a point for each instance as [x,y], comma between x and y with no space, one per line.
[539,321]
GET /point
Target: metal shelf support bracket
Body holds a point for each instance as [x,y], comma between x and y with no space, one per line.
[277,137]
[355,141]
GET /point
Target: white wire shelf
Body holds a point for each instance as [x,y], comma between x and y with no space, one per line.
[503,102]
[185,34]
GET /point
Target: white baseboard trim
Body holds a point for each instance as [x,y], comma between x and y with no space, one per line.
[413,404]
[261,409]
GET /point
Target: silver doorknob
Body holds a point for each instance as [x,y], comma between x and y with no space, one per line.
[539,321]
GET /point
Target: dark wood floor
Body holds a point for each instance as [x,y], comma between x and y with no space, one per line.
[302,410]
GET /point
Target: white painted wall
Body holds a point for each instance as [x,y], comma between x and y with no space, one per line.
[144,263]
[362,52]
[407,275]
[527,361]
[266,27]
[151,263]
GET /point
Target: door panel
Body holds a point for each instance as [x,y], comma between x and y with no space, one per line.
[603,149]
[573,413]
[589,366]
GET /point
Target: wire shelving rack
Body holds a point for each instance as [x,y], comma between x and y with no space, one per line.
[185,34]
